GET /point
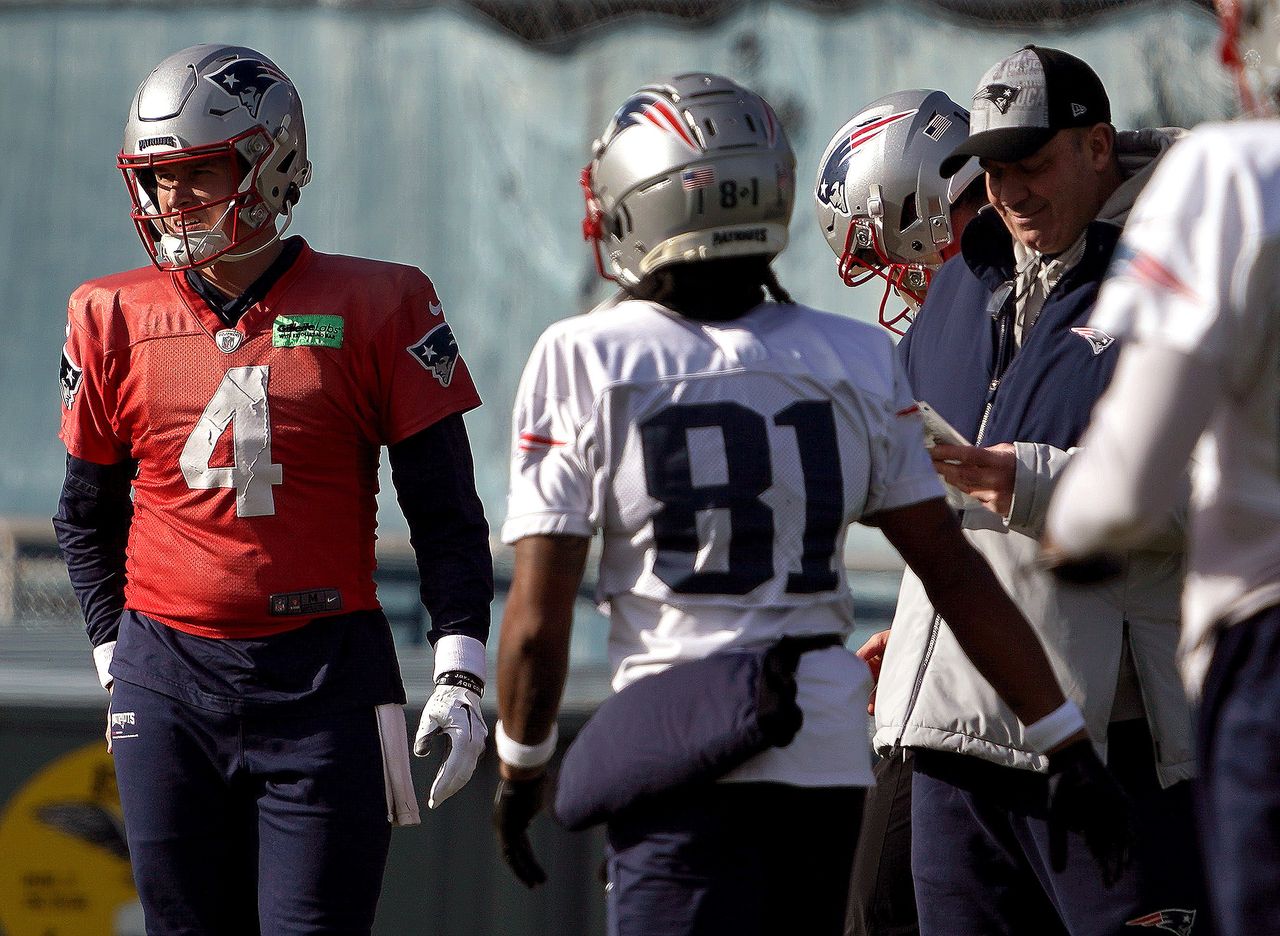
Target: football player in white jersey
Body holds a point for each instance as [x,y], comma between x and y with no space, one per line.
[1195,290]
[722,444]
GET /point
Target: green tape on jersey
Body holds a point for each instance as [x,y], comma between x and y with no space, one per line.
[299,331]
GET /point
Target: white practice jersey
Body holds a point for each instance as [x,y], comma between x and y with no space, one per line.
[1198,272]
[723,463]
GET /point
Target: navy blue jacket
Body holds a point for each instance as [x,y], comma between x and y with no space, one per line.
[959,352]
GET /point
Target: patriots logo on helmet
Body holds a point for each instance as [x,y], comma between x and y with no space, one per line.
[653,110]
[1175,921]
[437,352]
[1000,95]
[830,190]
[247,80]
[69,377]
[831,187]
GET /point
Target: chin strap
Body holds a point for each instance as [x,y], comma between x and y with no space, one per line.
[593,224]
[287,214]
[909,281]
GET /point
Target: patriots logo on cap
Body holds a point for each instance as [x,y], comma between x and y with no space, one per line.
[247,80]
[1175,921]
[999,94]
[437,352]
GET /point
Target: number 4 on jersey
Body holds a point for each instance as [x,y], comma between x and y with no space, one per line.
[241,403]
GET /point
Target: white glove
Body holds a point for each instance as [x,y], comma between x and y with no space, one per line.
[454,712]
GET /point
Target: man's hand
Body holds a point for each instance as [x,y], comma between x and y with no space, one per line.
[454,712]
[872,653]
[986,474]
[514,806]
[1085,798]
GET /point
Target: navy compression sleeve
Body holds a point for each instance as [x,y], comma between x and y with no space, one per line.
[92,526]
[434,478]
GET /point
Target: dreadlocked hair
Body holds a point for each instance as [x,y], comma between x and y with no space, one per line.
[774,288]
[712,290]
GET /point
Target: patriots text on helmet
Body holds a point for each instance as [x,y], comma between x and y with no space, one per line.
[732,237]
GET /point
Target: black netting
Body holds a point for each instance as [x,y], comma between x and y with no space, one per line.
[552,22]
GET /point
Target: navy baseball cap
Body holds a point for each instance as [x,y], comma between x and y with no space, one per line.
[1024,100]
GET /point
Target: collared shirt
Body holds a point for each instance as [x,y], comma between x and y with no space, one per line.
[1037,275]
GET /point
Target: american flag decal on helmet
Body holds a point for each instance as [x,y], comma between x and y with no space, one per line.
[697,178]
[937,126]
[648,108]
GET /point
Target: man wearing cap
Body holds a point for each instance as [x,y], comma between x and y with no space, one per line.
[1002,351]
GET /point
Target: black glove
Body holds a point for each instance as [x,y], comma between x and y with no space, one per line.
[1084,797]
[514,806]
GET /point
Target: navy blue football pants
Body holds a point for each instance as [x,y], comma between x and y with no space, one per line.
[1238,789]
[980,851]
[239,825]
[882,899]
[747,859]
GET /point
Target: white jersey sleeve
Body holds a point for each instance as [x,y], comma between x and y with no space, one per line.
[1197,275]
[554,459]
[1181,270]
[903,473]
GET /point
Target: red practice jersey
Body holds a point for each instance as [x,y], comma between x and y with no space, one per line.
[257,446]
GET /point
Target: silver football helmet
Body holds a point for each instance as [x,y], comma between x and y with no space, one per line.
[882,205]
[692,168]
[1251,52]
[215,101]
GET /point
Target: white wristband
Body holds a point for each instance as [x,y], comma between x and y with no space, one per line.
[524,755]
[458,652]
[1054,728]
[102,661]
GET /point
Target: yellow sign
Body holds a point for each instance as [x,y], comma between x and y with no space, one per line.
[64,864]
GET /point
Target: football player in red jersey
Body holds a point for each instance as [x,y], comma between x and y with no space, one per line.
[223,411]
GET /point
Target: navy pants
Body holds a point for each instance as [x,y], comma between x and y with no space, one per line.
[239,825]
[882,899]
[747,859]
[1238,790]
[980,852]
